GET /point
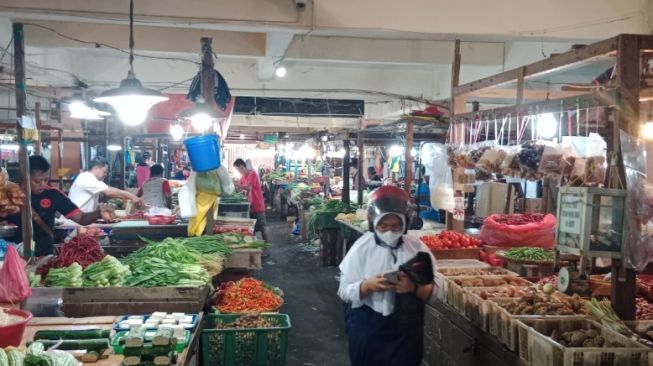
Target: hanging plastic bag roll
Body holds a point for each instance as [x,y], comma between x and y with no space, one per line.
[187,205]
[441,184]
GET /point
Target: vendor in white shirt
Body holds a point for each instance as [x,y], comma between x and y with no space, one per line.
[87,187]
[384,315]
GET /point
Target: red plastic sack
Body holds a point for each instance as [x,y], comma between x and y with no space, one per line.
[14,284]
[540,234]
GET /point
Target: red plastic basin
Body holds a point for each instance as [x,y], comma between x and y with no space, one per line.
[12,334]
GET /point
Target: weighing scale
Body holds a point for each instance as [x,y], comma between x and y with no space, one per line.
[590,225]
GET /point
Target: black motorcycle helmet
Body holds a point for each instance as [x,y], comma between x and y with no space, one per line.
[388,199]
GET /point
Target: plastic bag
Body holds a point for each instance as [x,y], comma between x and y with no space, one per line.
[441,184]
[187,205]
[226,181]
[209,182]
[551,164]
[530,156]
[490,161]
[639,245]
[510,164]
[14,284]
[540,234]
[589,162]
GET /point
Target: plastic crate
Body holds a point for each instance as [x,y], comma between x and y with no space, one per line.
[503,325]
[244,347]
[539,349]
[119,348]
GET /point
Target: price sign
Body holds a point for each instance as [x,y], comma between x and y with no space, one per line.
[571,211]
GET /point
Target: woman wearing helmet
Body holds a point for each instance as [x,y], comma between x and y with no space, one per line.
[386,278]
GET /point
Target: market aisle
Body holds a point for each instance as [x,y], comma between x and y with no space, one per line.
[318,335]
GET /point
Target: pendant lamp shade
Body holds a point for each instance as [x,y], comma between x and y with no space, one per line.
[131,100]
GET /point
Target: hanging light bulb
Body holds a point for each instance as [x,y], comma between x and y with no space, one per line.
[114,147]
[280,71]
[547,126]
[177,132]
[201,115]
[131,100]
[647,130]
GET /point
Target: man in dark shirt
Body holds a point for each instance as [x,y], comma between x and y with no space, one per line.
[46,201]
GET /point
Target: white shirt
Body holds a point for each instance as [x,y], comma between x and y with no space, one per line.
[366,259]
[85,192]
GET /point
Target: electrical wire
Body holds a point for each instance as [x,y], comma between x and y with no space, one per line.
[100,45]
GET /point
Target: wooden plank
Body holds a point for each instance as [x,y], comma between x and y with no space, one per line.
[519,97]
[595,98]
[528,94]
[134,294]
[84,309]
[552,64]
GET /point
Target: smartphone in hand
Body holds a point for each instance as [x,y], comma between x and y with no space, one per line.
[392,276]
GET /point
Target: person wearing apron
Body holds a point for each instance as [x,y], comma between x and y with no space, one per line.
[384,299]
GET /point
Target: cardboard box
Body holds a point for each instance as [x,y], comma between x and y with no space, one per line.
[535,205]
[492,198]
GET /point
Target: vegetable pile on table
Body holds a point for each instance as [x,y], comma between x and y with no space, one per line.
[529,254]
[330,207]
[70,276]
[235,197]
[535,303]
[481,281]
[82,249]
[248,295]
[519,219]
[108,272]
[450,240]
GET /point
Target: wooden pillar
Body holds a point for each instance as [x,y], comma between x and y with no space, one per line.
[123,168]
[361,172]
[624,286]
[207,80]
[23,161]
[458,105]
[345,172]
[408,157]
[60,151]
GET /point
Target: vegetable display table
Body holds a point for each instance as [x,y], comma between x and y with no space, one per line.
[186,358]
[349,233]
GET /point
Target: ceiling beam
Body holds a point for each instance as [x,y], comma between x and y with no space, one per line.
[275,50]
[148,38]
[281,123]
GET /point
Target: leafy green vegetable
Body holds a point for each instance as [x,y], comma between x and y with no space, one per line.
[108,272]
[70,276]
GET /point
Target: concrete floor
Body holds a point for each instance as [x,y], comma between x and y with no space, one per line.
[317,336]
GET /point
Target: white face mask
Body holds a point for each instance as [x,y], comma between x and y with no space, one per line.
[390,237]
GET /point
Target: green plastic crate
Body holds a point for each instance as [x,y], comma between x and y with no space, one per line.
[244,347]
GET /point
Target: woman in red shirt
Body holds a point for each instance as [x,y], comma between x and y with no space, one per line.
[251,186]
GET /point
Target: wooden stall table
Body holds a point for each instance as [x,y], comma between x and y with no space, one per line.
[186,358]
[126,236]
[349,233]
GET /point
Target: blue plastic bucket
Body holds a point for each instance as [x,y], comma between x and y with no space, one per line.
[203,152]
